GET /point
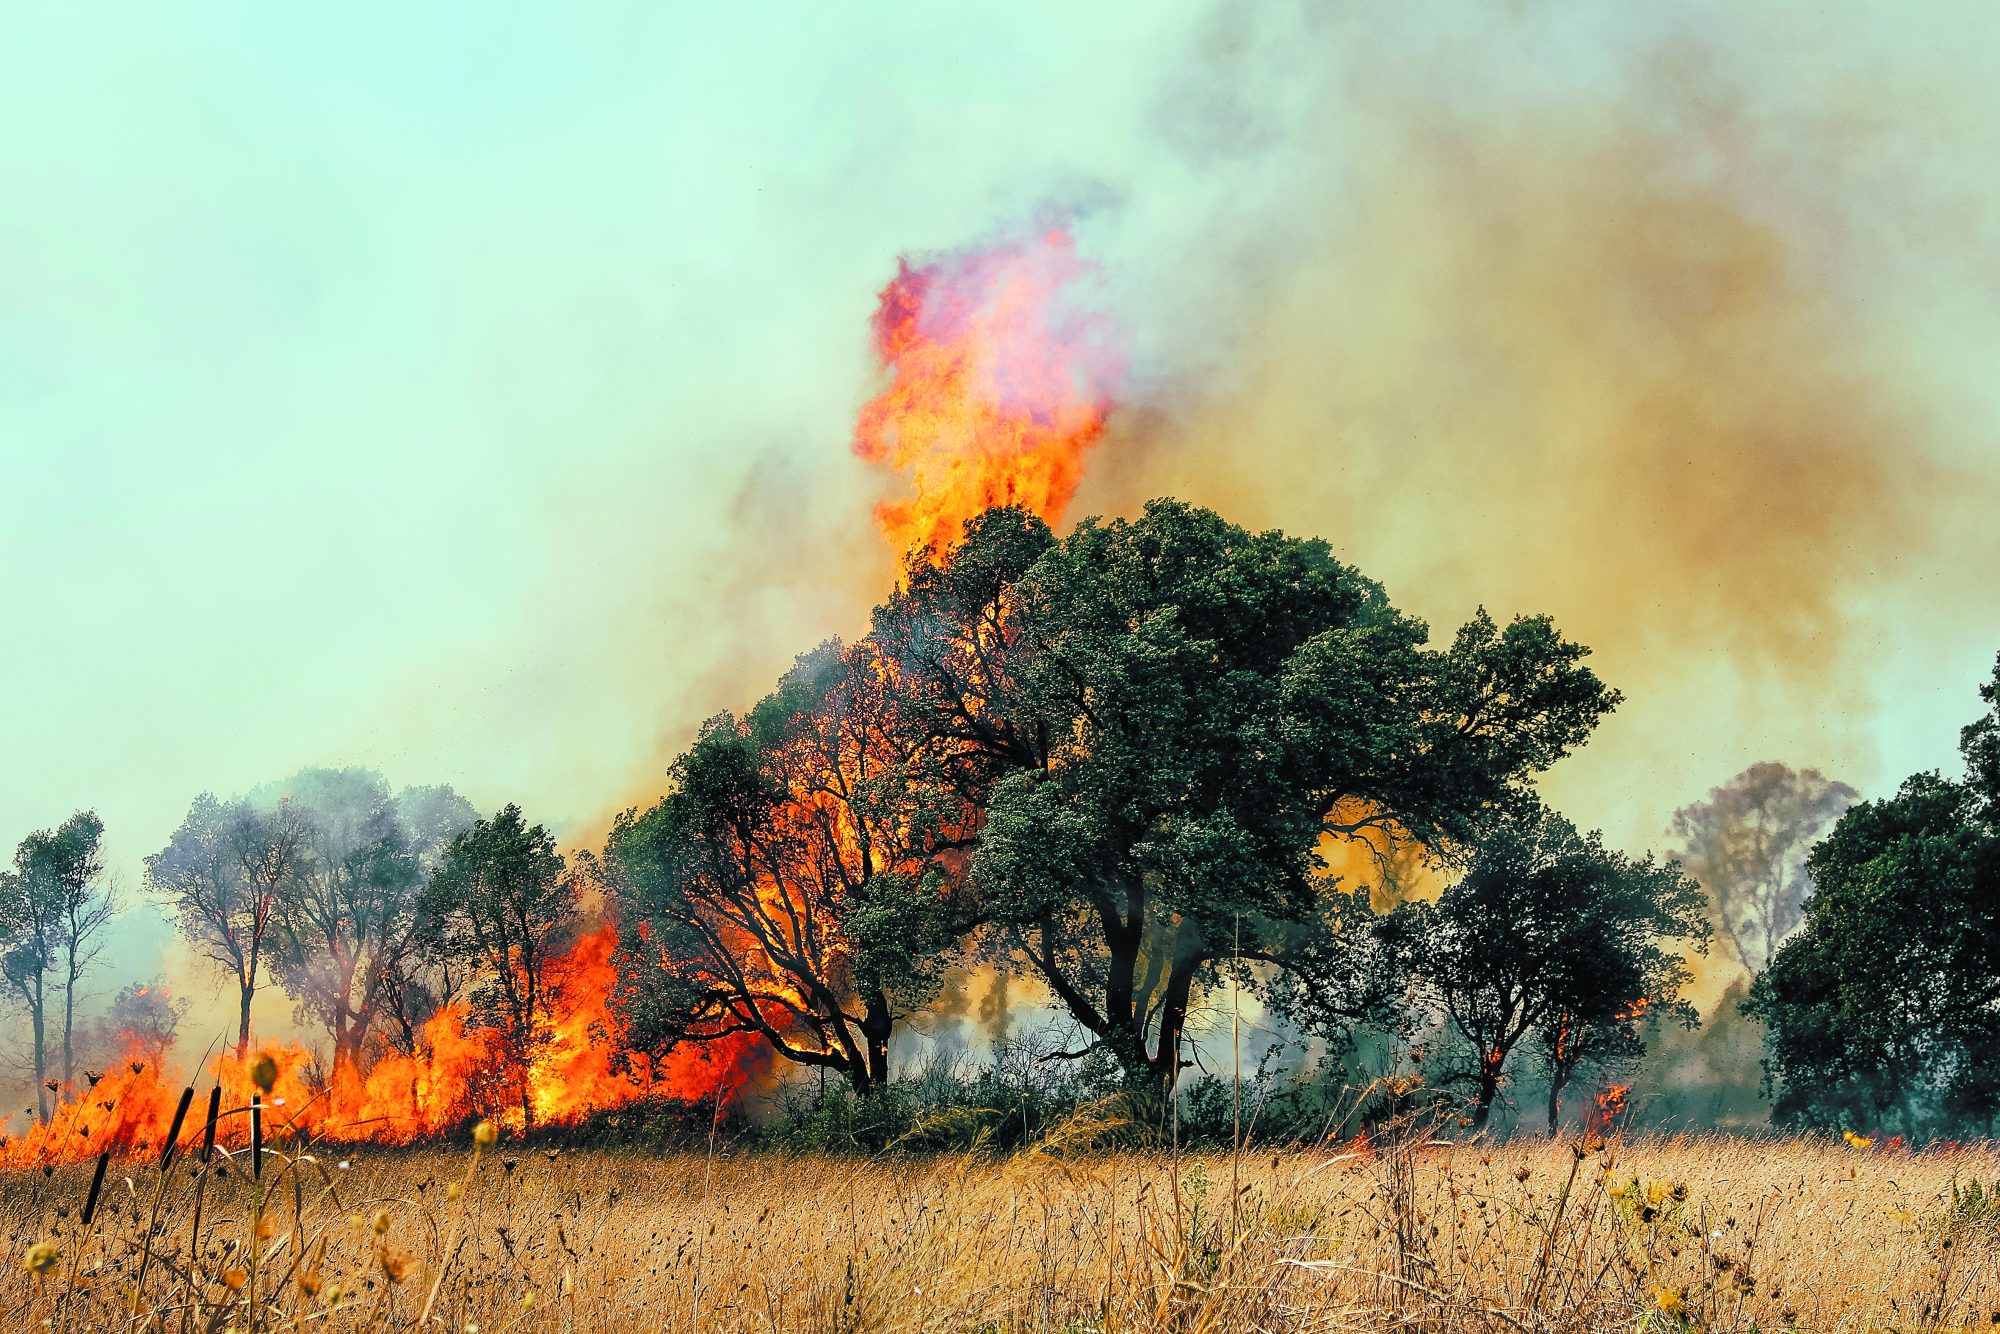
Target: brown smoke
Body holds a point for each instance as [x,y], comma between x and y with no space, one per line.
[1630,350]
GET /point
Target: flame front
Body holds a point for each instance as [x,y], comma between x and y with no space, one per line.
[459,1071]
[1001,375]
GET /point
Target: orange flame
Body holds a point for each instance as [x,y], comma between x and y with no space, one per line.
[459,1071]
[1000,377]
[1610,1108]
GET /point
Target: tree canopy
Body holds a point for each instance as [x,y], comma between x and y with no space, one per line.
[1117,757]
[1884,1007]
[1747,845]
[1549,935]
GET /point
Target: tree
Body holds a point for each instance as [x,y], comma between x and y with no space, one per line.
[224,871]
[798,881]
[1550,934]
[1884,1007]
[501,900]
[58,905]
[346,924]
[1181,717]
[144,1018]
[1747,846]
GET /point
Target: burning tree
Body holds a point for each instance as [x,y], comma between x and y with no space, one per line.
[346,924]
[1747,846]
[503,901]
[1550,933]
[799,882]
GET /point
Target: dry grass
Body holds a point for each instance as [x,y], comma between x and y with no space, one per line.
[1677,1234]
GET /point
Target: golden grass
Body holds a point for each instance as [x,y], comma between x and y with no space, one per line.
[1669,1234]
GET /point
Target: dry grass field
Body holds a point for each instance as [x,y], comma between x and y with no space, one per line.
[1645,1234]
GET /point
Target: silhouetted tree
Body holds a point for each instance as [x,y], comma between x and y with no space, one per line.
[346,924]
[1884,1007]
[143,1018]
[1747,846]
[223,872]
[57,904]
[1550,933]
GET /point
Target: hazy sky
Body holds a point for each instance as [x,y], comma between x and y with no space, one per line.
[465,391]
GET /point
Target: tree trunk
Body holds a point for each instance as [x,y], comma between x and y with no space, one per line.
[1166,1062]
[69,1029]
[1489,1089]
[243,1020]
[1556,1085]
[38,1011]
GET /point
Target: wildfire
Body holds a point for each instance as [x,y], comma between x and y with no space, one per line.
[1610,1108]
[459,1071]
[1001,376]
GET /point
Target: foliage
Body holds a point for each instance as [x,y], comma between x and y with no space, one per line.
[1551,935]
[345,926]
[1747,845]
[222,874]
[799,881]
[1186,714]
[500,903]
[1884,1008]
[54,908]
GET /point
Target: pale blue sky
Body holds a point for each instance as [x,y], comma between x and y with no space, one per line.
[464,390]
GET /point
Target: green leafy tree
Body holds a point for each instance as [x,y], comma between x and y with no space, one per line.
[1550,936]
[223,873]
[800,881]
[1168,720]
[1884,1007]
[1747,845]
[503,901]
[55,907]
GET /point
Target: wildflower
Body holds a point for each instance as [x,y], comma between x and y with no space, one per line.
[528,1300]
[264,1070]
[42,1257]
[235,1278]
[1668,1300]
[394,1264]
[310,1282]
[1855,1141]
[485,1133]
[380,1222]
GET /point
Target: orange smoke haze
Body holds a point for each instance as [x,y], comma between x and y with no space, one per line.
[1001,375]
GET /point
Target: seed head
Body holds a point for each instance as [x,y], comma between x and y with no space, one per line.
[485,1133]
[42,1257]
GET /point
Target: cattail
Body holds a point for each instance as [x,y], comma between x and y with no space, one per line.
[256,1135]
[208,1131]
[174,1130]
[96,1184]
